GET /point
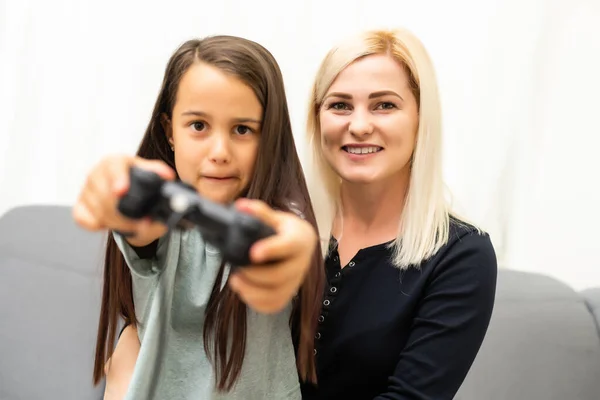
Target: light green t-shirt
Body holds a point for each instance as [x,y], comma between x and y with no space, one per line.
[171,292]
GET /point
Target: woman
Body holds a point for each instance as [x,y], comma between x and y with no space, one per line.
[410,286]
[221,125]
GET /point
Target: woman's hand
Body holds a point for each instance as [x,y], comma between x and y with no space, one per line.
[269,288]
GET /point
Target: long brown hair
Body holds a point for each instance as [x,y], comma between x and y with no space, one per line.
[278,180]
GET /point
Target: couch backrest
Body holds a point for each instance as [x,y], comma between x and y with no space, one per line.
[542,344]
[50,287]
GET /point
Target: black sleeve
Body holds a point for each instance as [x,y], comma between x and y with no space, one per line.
[450,323]
[146,252]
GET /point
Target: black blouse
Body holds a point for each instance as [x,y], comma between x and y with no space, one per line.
[386,333]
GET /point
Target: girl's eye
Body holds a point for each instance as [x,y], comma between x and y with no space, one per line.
[386,106]
[198,126]
[242,130]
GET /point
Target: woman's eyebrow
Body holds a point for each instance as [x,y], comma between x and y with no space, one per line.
[382,93]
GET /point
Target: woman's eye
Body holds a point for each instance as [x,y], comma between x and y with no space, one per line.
[338,106]
[198,126]
[242,130]
[386,106]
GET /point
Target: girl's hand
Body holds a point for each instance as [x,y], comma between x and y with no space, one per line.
[269,288]
[96,207]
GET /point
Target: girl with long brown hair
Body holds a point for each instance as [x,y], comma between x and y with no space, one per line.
[220,124]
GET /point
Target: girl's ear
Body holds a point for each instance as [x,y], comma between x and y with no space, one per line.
[167,128]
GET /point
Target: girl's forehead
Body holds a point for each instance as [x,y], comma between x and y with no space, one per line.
[205,88]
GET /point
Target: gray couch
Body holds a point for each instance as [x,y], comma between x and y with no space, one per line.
[50,288]
[543,342]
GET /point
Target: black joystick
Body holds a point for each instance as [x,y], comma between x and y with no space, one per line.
[179,205]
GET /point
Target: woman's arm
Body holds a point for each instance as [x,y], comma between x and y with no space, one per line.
[451,322]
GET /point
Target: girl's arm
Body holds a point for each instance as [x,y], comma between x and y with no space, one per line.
[119,368]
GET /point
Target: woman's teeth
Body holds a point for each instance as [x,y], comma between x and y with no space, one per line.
[362,150]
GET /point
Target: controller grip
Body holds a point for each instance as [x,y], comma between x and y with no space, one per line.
[245,231]
[144,188]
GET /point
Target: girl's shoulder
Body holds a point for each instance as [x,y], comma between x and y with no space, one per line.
[294,206]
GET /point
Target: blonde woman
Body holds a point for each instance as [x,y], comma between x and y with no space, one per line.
[410,286]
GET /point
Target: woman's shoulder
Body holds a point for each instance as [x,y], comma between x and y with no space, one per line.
[460,231]
[469,249]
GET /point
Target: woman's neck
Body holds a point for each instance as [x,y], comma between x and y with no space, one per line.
[372,210]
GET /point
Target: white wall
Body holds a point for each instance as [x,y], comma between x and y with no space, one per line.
[519,81]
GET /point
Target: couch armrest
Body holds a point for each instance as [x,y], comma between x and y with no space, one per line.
[592,301]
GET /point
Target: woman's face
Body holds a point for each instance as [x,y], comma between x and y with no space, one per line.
[214,130]
[369,119]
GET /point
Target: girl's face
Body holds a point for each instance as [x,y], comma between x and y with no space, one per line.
[215,132]
[369,120]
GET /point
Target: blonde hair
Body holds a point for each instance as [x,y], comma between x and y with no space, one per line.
[424,226]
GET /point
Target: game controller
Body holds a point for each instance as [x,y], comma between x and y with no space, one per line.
[179,206]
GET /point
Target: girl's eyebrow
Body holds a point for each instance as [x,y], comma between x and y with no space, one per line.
[242,120]
[194,113]
[247,120]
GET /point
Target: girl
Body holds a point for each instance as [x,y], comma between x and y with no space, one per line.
[220,124]
[410,286]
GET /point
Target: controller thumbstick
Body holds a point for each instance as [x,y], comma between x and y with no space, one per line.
[144,187]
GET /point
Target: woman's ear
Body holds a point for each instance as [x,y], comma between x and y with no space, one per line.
[167,128]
